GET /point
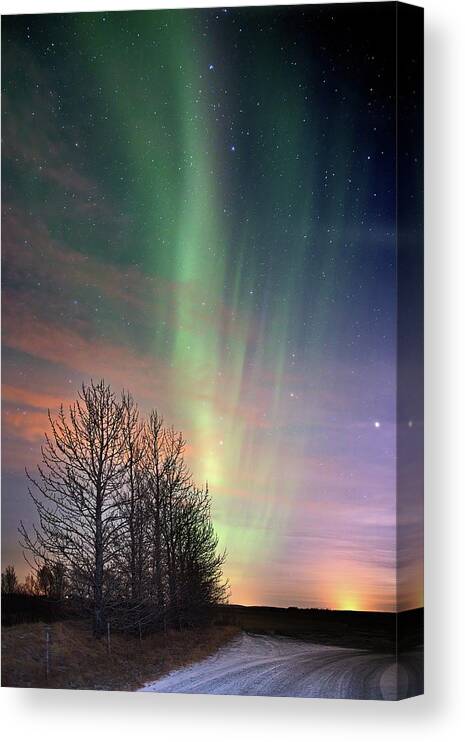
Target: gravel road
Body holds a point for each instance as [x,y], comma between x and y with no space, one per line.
[257,665]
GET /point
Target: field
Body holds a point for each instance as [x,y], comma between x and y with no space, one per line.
[78,661]
[354,629]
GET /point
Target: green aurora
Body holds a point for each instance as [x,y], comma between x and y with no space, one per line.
[199,205]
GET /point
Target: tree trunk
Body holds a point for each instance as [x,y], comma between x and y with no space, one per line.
[98,585]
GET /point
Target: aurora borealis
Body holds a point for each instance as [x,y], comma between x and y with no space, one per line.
[199,206]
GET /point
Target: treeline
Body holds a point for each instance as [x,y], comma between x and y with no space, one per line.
[41,597]
[47,581]
[122,528]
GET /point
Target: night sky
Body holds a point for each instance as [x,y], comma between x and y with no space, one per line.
[200,206]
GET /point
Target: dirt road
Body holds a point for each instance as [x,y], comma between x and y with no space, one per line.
[257,665]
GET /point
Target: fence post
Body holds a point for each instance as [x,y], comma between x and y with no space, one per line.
[108,638]
[47,651]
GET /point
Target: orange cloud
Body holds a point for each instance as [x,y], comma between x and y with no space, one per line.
[31,398]
[29,426]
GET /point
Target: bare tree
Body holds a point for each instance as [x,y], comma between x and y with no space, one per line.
[121,523]
[199,564]
[9,580]
[44,580]
[49,581]
[132,500]
[177,481]
[76,494]
[154,479]
[31,586]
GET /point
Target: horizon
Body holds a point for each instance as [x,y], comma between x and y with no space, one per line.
[321,608]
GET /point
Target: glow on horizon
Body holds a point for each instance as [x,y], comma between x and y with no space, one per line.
[225,279]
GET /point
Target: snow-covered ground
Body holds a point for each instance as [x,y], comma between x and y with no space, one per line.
[256,665]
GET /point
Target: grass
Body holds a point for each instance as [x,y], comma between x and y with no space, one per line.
[78,661]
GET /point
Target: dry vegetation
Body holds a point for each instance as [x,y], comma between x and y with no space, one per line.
[78,661]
